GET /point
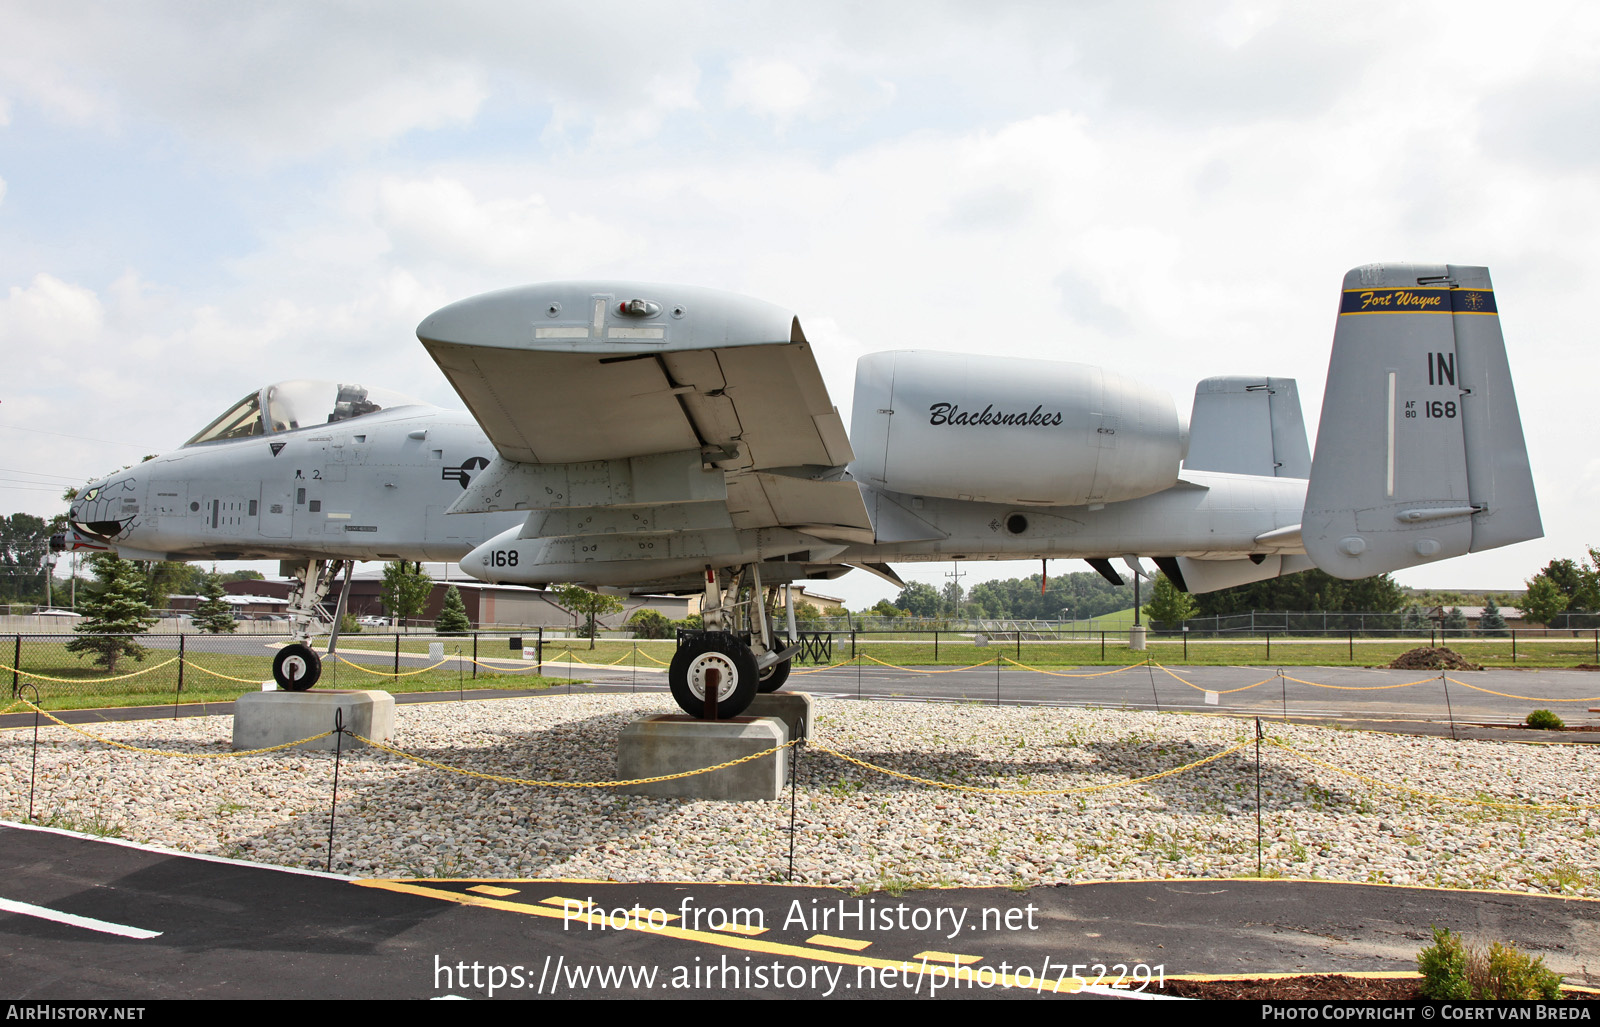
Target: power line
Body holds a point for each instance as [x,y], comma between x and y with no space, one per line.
[80,438]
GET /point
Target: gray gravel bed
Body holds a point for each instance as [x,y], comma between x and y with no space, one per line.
[857,827]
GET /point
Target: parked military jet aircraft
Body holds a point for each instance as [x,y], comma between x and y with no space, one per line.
[653,438]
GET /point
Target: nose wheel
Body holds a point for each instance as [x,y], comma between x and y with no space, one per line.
[713,660]
[774,677]
[296,667]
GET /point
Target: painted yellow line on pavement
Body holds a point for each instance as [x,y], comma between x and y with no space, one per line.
[773,948]
[947,957]
[744,929]
[489,889]
[853,944]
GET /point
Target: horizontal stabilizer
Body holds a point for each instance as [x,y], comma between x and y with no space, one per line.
[1420,454]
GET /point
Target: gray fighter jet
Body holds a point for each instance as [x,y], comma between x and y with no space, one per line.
[645,438]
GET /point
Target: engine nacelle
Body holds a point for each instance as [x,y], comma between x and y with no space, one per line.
[1008,430]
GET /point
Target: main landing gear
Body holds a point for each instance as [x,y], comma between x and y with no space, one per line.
[736,655]
[298,666]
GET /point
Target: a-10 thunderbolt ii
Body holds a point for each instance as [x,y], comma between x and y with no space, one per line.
[644,438]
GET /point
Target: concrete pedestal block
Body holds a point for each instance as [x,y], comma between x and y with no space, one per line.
[262,719]
[671,744]
[793,708]
[1136,637]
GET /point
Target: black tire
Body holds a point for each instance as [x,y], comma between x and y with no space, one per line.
[731,658]
[303,661]
[773,677]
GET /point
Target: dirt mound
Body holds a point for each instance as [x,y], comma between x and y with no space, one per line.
[1432,658]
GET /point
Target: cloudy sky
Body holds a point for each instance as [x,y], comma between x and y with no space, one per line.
[196,199]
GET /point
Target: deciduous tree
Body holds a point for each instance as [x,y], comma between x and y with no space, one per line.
[584,603]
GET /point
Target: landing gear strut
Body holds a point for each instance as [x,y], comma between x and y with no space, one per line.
[298,666]
[736,655]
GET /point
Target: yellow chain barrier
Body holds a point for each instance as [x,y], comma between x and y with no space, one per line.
[1093,674]
[87,681]
[216,674]
[500,669]
[395,674]
[569,784]
[1431,796]
[1032,791]
[1361,688]
[818,670]
[1219,691]
[915,670]
[1528,698]
[162,752]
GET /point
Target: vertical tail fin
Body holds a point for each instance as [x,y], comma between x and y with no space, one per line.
[1420,454]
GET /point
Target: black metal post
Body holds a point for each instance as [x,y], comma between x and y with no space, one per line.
[179,693]
[33,770]
[538,655]
[16,670]
[474,656]
[1450,712]
[935,647]
[397,656]
[338,748]
[1259,869]
[794,778]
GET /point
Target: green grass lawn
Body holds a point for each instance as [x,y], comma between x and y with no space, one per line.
[67,681]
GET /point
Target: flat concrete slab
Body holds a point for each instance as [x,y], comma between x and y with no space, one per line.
[793,708]
[264,719]
[672,744]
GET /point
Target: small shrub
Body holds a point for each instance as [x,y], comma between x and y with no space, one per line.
[1443,966]
[1544,720]
[1510,974]
[1452,970]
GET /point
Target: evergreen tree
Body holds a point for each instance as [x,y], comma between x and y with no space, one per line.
[1493,622]
[453,614]
[1455,621]
[113,613]
[214,615]
[1414,620]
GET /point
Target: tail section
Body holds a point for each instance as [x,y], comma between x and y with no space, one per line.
[1420,454]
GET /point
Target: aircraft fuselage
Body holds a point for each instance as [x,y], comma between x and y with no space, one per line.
[370,488]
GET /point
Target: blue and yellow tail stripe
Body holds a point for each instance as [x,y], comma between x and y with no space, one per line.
[1417,301]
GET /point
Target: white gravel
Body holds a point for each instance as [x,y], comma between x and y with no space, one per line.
[856,827]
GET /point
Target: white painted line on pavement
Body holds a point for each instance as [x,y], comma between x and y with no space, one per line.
[72,919]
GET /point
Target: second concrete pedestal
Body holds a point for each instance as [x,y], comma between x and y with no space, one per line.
[672,744]
[263,719]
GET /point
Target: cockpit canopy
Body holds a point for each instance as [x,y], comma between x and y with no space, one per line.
[302,403]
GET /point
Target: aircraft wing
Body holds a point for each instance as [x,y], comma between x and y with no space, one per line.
[694,410]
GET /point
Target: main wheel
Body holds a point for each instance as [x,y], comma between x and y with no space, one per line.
[773,677]
[296,667]
[696,663]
